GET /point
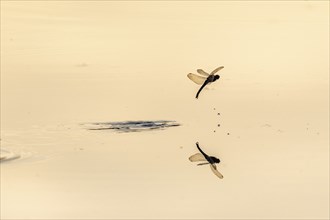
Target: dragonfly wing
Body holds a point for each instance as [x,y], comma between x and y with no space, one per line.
[197,157]
[215,171]
[196,79]
[202,72]
[200,164]
[216,70]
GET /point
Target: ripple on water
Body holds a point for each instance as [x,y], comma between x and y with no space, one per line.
[132,126]
[6,155]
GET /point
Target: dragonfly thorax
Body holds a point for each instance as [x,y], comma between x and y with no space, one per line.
[215,160]
[213,78]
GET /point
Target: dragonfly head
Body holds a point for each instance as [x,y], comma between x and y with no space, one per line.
[216,77]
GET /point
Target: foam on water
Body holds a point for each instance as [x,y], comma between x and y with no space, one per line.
[131,126]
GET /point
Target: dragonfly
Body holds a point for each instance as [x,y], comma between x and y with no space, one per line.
[205,78]
[206,159]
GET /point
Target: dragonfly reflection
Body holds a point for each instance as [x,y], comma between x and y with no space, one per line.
[209,160]
[205,78]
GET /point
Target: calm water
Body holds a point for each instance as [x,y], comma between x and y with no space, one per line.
[74,73]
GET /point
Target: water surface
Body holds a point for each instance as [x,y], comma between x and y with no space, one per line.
[106,62]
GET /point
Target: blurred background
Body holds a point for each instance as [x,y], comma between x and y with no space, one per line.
[68,63]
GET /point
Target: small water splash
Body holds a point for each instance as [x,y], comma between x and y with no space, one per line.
[131,126]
